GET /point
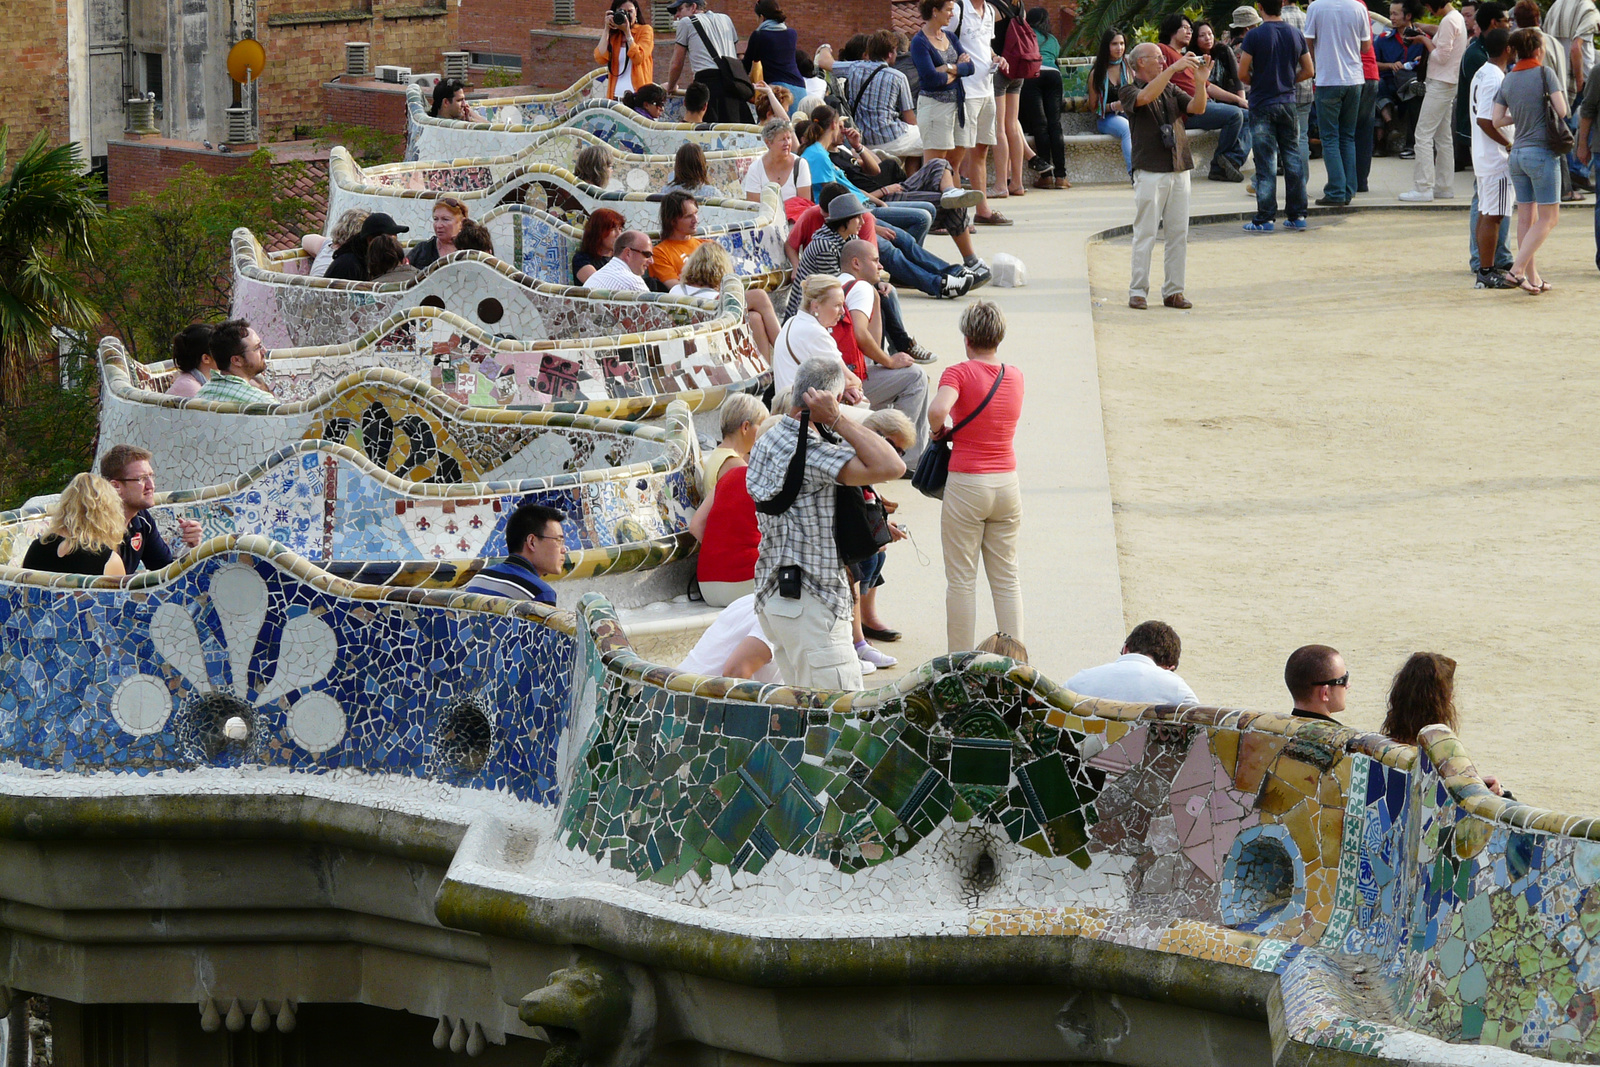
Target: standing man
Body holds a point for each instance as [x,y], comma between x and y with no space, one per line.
[802,588]
[1587,146]
[241,358]
[128,468]
[1573,23]
[702,36]
[536,549]
[1446,44]
[1318,680]
[1491,156]
[1174,35]
[1338,33]
[1156,111]
[1489,16]
[974,34]
[1304,92]
[1275,60]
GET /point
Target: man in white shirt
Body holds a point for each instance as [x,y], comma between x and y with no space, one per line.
[893,381]
[1145,673]
[974,33]
[1491,155]
[1435,141]
[625,273]
[1338,33]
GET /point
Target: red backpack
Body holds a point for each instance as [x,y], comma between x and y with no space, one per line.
[1021,49]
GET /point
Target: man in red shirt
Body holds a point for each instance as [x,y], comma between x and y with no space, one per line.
[1173,37]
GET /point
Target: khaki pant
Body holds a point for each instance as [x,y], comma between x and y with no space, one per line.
[1160,198]
[982,513]
[812,647]
[1435,140]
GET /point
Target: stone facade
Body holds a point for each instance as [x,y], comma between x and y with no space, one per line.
[35,46]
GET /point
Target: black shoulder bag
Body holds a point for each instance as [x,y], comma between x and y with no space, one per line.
[933,469]
[734,76]
[860,524]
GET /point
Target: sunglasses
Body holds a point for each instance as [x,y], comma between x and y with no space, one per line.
[1342,680]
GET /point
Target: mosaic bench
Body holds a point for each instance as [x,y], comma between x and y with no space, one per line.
[971,825]
[550,188]
[526,118]
[429,369]
[559,147]
[370,490]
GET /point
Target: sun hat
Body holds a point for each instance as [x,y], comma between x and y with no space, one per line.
[1244,17]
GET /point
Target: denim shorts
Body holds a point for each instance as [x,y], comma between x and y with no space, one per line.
[1535,174]
[1004,86]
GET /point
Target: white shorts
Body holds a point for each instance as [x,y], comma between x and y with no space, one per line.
[936,124]
[1496,195]
[907,144]
[980,121]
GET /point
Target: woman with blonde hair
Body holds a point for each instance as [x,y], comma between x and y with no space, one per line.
[982,510]
[321,249]
[448,215]
[86,527]
[809,334]
[703,274]
[725,521]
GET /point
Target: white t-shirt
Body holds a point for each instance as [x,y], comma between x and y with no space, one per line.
[737,622]
[976,39]
[857,294]
[755,179]
[691,290]
[1337,28]
[1489,160]
[324,260]
[801,338]
[616,275]
[1133,677]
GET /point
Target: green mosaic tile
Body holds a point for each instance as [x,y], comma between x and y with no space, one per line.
[792,817]
[980,761]
[896,776]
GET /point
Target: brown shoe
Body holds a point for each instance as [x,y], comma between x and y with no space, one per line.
[1176,300]
[1138,303]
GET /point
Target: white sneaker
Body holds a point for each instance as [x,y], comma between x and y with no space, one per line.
[867,668]
[957,199]
[869,655]
[1444,194]
[1417,196]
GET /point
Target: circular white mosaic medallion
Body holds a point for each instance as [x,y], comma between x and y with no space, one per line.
[141,705]
[316,722]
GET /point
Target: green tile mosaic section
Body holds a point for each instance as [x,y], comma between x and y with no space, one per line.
[1345,895]
[671,784]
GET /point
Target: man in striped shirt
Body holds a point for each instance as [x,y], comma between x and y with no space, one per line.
[537,548]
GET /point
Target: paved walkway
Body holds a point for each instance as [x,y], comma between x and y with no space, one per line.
[1071,582]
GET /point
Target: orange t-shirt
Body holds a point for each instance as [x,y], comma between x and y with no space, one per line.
[668,262]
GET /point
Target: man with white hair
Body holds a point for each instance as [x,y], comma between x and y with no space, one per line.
[1161,164]
[802,588]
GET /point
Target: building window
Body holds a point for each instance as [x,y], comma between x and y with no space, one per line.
[150,75]
[502,60]
[663,20]
[566,12]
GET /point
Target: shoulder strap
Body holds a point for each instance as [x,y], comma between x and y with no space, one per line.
[694,20]
[794,476]
[863,90]
[975,412]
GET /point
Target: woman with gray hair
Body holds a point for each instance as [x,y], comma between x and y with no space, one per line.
[982,510]
[779,165]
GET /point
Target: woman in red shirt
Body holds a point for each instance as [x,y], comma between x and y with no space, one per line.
[725,524]
[982,498]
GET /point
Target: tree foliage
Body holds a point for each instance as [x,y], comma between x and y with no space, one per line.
[48,434]
[1137,19]
[48,214]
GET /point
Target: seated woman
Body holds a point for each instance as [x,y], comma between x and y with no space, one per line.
[780,165]
[725,523]
[191,354]
[386,261]
[742,416]
[448,214]
[689,173]
[321,249]
[649,100]
[1001,643]
[599,239]
[734,646]
[593,165]
[1424,694]
[86,527]
[772,102]
[703,273]
[680,217]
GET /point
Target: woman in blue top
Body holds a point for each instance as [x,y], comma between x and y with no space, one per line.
[941,99]
[772,44]
[1106,77]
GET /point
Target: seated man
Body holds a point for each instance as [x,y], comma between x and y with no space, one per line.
[450,102]
[537,548]
[630,255]
[1145,673]
[880,98]
[1317,680]
[680,217]
[892,381]
[240,358]
[696,98]
[128,468]
[191,355]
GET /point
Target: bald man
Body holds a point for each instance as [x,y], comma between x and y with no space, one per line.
[892,381]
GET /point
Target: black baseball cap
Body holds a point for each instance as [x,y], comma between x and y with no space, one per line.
[380,223]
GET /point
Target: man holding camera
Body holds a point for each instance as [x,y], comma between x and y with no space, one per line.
[1156,110]
[802,589]
[703,37]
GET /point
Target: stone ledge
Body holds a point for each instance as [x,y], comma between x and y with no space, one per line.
[312,18]
[425,11]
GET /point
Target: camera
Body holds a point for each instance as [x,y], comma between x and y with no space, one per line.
[789,580]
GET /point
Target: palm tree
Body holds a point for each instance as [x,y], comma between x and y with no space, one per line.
[47,213]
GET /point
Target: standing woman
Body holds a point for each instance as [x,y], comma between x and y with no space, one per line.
[941,99]
[448,215]
[1011,148]
[982,499]
[1041,105]
[627,48]
[1110,70]
[1534,170]
[772,44]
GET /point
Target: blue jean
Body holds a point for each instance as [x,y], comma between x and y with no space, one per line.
[1117,126]
[1302,114]
[908,263]
[1337,109]
[894,324]
[910,215]
[1274,129]
[1535,175]
[1502,253]
[1227,119]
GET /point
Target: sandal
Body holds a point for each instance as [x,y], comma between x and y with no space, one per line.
[1545,287]
[1528,287]
[1012,190]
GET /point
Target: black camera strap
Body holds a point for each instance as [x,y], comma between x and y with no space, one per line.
[794,476]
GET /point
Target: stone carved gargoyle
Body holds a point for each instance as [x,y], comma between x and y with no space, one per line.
[597,1012]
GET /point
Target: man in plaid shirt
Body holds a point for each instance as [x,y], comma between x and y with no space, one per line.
[240,358]
[879,98]
[802,589]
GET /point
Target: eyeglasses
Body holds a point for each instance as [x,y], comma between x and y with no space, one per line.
[148,479]
[551,537]
[1342,680]
[641,251]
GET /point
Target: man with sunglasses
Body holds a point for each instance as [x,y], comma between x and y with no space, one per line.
[537,548]
[1318,680]
[128,468]
[632,253]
